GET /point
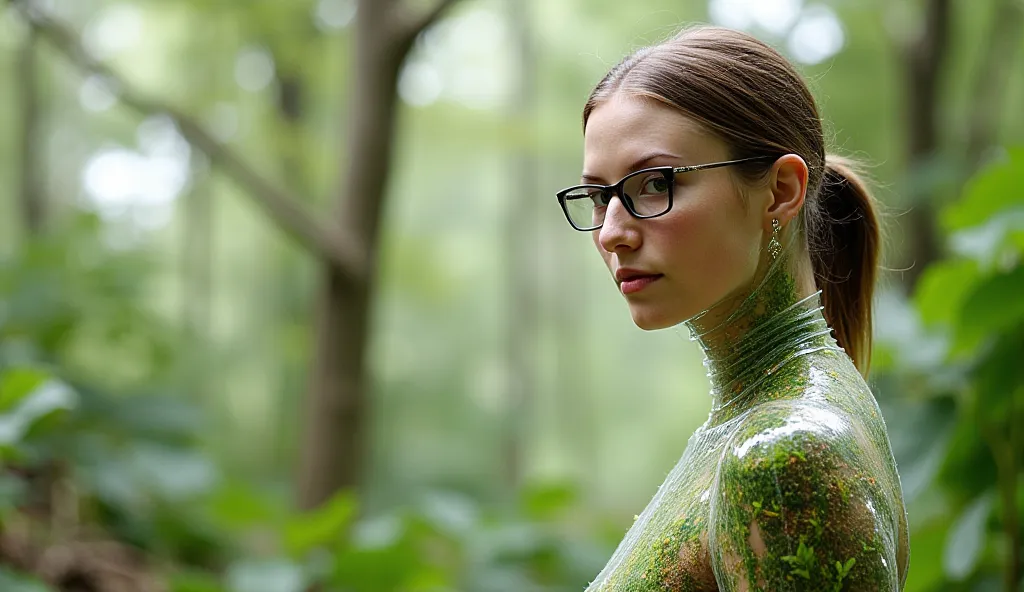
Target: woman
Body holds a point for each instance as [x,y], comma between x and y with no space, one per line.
[711,200]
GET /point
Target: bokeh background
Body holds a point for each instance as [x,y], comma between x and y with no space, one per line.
[287,302]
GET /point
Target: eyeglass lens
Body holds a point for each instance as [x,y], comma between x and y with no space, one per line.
[648,192]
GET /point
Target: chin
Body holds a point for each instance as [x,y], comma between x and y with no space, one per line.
[650,320]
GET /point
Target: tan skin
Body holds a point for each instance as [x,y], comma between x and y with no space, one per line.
[790,485]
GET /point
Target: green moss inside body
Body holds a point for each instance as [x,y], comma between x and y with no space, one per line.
[826,507]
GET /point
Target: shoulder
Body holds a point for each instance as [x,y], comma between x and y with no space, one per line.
[781,434]
[802,503]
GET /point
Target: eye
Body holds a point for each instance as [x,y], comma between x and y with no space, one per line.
[655,186]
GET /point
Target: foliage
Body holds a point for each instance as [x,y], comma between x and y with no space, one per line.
[128,469]
[953,385]
[130,463]
[164,454]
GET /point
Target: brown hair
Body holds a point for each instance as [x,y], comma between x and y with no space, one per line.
[754,100]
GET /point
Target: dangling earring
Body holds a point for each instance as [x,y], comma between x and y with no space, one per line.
[774,246]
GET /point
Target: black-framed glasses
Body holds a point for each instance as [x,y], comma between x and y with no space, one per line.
[646,194]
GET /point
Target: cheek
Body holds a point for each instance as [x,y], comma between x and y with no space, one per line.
[711,250]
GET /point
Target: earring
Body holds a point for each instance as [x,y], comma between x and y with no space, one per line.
[774,246]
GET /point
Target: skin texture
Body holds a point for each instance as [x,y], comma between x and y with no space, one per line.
[707,245]
[791,483]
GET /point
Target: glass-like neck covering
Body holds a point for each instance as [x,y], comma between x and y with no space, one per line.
[791,483]
[750,334]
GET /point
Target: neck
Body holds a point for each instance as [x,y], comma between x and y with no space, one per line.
[751,334]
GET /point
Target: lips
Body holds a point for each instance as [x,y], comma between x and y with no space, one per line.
[624,274]
[634,280]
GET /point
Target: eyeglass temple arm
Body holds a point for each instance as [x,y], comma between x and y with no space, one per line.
[713,165]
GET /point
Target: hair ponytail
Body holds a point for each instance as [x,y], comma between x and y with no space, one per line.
[844,238]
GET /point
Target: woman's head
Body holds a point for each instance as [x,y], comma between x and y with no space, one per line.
[711,95]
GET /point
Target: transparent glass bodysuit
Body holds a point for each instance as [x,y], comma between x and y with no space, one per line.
[791,483]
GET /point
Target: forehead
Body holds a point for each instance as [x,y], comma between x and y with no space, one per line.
[625,128]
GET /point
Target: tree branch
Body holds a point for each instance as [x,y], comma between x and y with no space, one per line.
[285,210]
[419,23]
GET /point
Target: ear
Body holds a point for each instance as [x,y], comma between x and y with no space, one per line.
[788,186]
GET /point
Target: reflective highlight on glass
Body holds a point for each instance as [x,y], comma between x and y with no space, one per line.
[790,484]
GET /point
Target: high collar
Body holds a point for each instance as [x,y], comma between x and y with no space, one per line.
[747,337]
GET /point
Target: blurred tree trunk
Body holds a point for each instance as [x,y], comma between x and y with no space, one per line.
[385,30]
[198,228]
[925,59]
[993,75]
[30,191]
[197,270]
[287,269]
[521,264]
[335,438]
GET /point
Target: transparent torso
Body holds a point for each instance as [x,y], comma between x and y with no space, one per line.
[791,485]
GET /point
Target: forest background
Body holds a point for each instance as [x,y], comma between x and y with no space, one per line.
[287,302]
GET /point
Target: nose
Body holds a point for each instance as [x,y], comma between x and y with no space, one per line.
[619,232]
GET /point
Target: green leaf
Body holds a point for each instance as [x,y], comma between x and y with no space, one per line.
[919,433]
[195,581]
[928,542]
[968,469]
[266,576]
[237,506]
[994,242]
[994,189]
[992,306]
[159,417]
[942,289]
[174,474]
[966,539]
[545,501]
[17,383]
[449,512]
[997,378]
[42,399]
[322,526]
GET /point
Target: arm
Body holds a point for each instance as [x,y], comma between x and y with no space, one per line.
[803,504]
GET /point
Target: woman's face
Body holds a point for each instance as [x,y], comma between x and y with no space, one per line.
[706,247]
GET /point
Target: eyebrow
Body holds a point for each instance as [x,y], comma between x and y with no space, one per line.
[635,166]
